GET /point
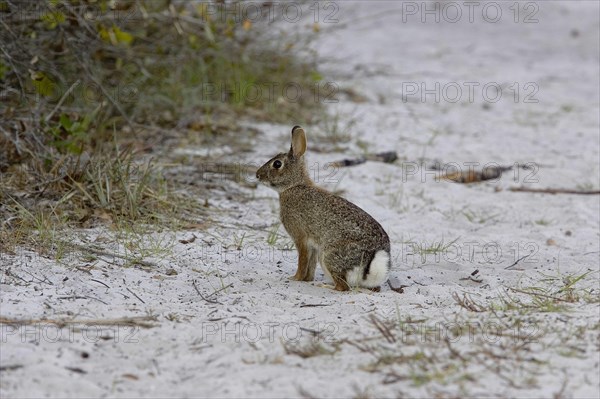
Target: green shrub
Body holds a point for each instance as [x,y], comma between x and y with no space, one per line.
[72,70]
[82,79]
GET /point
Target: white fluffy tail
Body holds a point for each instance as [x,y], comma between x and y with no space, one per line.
[378,272]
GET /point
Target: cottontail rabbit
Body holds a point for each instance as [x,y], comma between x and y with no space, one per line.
[352,248]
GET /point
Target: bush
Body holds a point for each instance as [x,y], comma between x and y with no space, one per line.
[80,78]
[72,70]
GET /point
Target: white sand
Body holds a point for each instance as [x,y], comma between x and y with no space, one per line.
[233,344]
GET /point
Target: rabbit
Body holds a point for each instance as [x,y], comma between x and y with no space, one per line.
[352,247]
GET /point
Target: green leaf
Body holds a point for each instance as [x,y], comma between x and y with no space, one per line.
[115,35]
[316,76]
[65,121]
[53,18]
[42,83]
[122,37]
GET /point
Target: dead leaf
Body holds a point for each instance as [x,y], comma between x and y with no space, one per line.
[189,241]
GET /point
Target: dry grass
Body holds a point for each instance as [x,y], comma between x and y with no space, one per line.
[140,321]
[517,338]
[309,348]
[93,94]
[42,207]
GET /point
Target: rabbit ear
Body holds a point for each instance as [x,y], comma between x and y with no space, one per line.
[298,142]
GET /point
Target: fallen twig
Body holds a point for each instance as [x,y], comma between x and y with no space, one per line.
[12,274]
[386,157]
[62,99]
[141,321]
[383,329]
[553,191]
[220,289]
[314,333]
[77,370]
[453,351]
[202,296]
[517,261]
[99,282]
[190,240]
[468,303]
[11,367]
[313,305]
[45,280]
[82,297]
[135,295]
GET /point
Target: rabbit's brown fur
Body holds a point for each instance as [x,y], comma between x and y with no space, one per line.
[349,244]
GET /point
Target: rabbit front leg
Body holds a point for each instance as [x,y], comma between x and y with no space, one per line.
[313,256]
[303,258]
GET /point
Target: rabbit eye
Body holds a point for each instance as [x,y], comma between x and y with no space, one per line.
[277,164]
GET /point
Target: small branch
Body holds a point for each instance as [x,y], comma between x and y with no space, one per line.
[107,95]
[386,157]
[81,297]
[553,191]
[45,280]
[62,99]
[190,240]
[202,296]
[11,367]
[135,295]
[10,60]
[142,321]
[77,370]
[314,333]
[221,289]
[468,303]
[383,329]
[12,274]
[99,282]
[473,279]
[518,260]
[314,305]
[453,350]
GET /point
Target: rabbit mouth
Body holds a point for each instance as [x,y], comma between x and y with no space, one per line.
[271,185]
[266,183]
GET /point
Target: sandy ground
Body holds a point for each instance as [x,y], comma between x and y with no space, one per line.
[228,323]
